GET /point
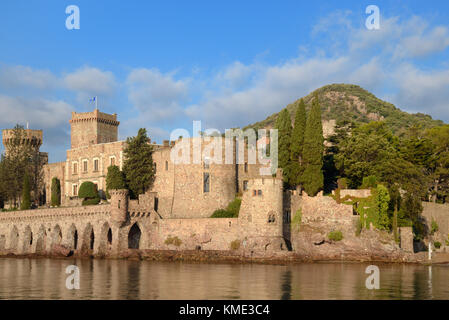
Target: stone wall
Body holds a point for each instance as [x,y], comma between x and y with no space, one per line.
[439,213]
[355,193]
[406,238]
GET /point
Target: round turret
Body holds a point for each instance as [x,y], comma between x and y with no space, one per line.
[119,205]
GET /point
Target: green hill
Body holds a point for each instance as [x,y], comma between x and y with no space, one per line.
[350,102]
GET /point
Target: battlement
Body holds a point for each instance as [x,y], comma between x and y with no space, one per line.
[32,138]
[95,115]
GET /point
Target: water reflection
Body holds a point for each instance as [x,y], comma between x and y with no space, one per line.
[119,279]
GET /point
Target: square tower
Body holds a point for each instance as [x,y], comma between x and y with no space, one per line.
[95,127]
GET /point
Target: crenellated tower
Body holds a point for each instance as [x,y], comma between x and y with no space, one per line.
[89,128]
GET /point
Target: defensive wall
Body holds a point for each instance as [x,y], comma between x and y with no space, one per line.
[123,224]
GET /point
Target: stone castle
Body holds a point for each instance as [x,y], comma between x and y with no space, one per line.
[175,213]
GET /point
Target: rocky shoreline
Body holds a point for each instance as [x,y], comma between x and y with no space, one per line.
[238,257]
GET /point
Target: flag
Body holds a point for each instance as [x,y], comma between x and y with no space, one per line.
[93,99]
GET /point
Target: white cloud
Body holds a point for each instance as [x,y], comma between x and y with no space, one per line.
[88,82]
[40,113]
[14,77]
[156,96]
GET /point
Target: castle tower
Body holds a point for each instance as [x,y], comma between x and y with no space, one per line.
[93,128]
[33,138]
[119,205]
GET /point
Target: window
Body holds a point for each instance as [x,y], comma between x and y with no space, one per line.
[154,167]
[112,161]
[259,192]
[206,182]
[85,166]
[75,168]
[96,165]
[246,166]
[254,193]
[75,190]
[245,185]
[166,165]
[271,218]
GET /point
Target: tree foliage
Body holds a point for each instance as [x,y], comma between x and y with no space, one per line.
[26,194]
[115,179]
[89,193]
[313,148]
[138,166]
[296,146]
[55,192]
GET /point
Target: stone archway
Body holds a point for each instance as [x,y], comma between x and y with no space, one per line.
[27,240]
[56,236]
[41,240]
[72,237]
[88,239]
[105,239]
[134,236]
[14,239]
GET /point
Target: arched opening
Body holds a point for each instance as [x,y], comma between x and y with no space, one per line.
[134,237]
[75,239]
[109,236]
[92,240]
[14,238]
[27,239]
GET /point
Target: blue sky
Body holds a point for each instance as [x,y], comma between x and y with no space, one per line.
[162,64]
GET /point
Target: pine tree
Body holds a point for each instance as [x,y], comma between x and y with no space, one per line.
[26,194]
[138,166]
[114,180]
[313,148]
[284,127]
[55,192]
[297,141]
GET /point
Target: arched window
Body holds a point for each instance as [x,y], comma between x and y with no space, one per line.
[134,237]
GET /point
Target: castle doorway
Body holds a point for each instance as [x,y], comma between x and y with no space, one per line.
[134,237]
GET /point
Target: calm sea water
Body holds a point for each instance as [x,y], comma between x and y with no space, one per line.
[120,279]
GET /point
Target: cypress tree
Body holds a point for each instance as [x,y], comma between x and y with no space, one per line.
[26,194]
[313,148]
[138,166]
[55,192]
[114,180]
[298,131]
[284,127]
[296,145]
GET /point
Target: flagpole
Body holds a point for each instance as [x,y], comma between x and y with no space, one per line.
[96,102]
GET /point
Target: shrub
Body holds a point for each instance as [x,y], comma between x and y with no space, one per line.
[437,244]
[434,227]
[369,182]
[88,191]
[173,240]
[221,213]
[235,245]
[115,179]
[232,211]
[335,235]
[234,207]
[55,192]
[296,221]
[91,202]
